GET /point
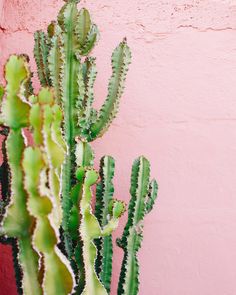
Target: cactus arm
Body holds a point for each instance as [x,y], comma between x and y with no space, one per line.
[42,168]
[41,52]
[90,229]
[55,151]
[121,58]
[83,26]
[17,222]
[57,276]
[90,41]
[17,76]
[143,195]
[87,32]
[104,194]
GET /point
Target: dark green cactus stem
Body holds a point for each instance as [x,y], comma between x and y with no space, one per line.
[17,222]
[104,195]
[143,195]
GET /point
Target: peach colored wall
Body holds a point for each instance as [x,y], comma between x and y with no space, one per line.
[179,109]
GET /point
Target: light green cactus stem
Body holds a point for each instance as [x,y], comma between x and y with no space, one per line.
[90,229]
[143,195]
[104,195]
[17,222]
[42,167]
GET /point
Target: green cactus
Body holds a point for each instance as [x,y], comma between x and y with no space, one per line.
[143,195]
[72,72]
[90,228]
[51,178]
[104,195]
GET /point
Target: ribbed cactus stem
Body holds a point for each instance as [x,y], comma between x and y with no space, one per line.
[143,194]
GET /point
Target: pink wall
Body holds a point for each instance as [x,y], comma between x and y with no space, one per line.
[179,109]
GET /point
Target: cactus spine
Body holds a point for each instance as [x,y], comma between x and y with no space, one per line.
[143,195]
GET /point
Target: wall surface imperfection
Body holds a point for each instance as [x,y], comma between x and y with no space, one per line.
[179,109]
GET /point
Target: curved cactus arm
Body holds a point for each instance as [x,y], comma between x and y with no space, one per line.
[90,229]
[58,278]
[17,222]
[104,195]
[17,75]
[121,59]
[143,195]
[45,118]
[41,52]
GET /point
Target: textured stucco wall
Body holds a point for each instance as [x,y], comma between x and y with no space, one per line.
[179,109]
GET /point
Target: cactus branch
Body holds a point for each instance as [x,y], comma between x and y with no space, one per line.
[90,229]
[121,59]
[143,195]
